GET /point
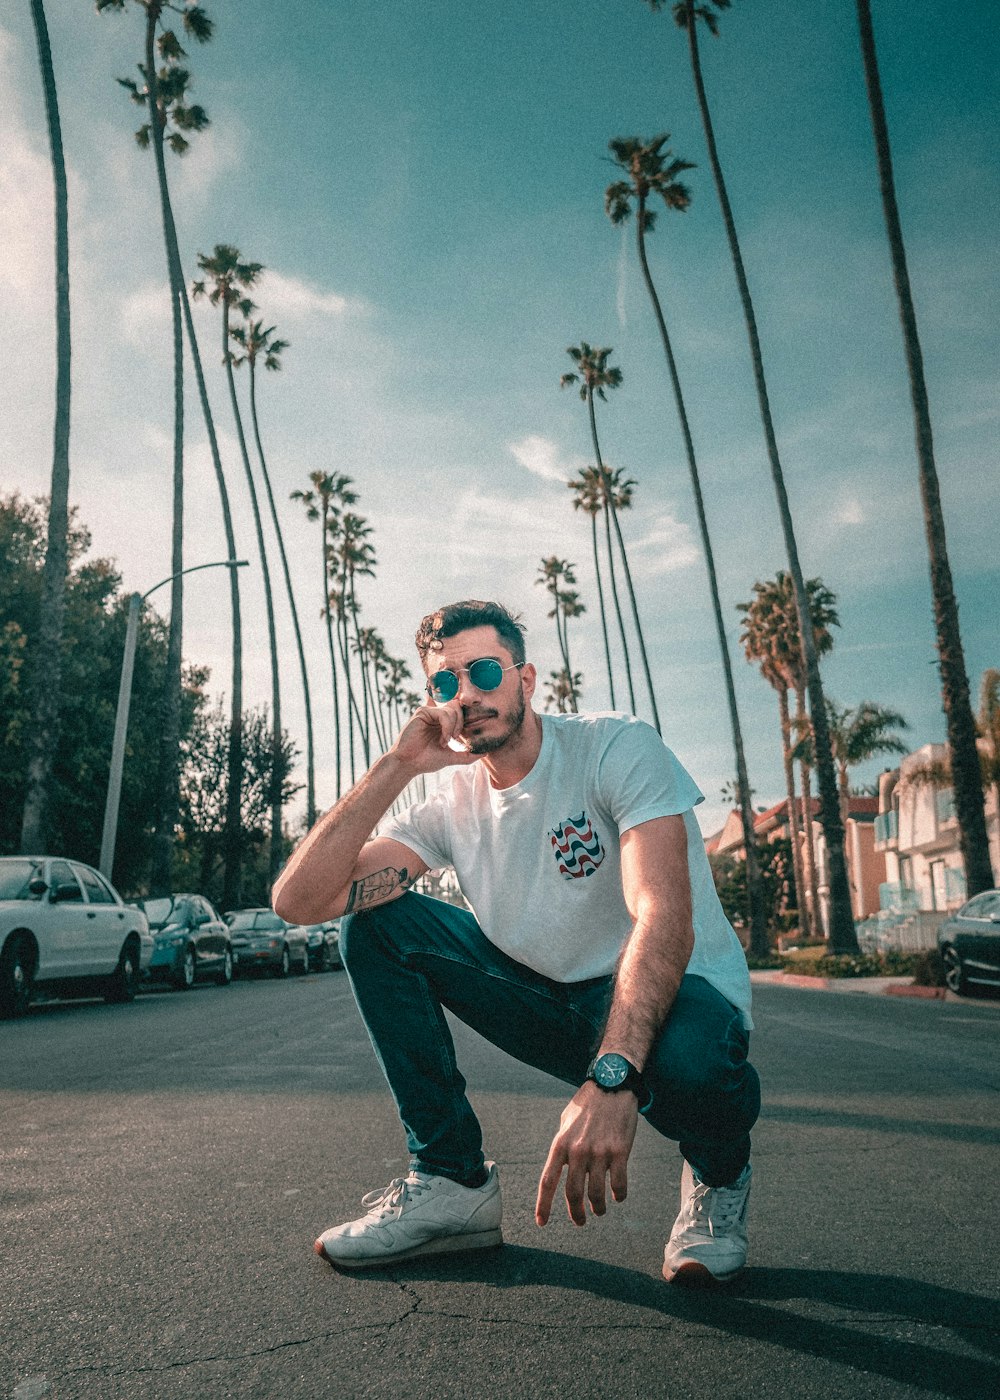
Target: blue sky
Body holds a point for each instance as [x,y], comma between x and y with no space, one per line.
[424,183]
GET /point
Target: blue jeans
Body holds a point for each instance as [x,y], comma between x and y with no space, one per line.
[410,958]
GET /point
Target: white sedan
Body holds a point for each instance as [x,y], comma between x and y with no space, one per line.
[65,931]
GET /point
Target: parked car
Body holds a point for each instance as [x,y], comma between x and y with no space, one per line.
[65,931]
[190,940]
[324,945]
[969,943]
[263,942]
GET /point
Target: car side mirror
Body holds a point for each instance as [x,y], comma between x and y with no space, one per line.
[65,892]
[37,885]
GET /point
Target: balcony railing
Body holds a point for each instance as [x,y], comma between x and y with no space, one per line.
[894,895]
[886,828]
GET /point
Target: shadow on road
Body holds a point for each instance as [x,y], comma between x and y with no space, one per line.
[871,1304]
[879,1123]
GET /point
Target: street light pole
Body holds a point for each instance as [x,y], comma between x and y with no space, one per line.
[135,602]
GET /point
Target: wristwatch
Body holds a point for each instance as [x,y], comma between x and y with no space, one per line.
[612,1073]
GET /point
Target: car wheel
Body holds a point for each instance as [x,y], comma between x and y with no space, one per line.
[226,975]
[124,981]
[184,976]
[954,971]
[305,961]
[285,965]
[324,958]
[17,973]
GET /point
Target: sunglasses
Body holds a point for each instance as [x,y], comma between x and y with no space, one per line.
[485,674]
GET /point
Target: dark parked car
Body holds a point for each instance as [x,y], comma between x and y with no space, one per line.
[324,945]
[190,940]
[261,941]
[970,943]
[64,931]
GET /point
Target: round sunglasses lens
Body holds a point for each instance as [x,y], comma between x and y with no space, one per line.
[486,674]
[444,685]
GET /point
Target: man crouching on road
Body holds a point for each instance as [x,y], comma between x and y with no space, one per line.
[597,950]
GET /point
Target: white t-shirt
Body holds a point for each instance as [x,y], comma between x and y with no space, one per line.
[540,862]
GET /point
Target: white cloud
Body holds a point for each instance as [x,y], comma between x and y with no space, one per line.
[290,297]
[850,512]
[540,456]
[666,547]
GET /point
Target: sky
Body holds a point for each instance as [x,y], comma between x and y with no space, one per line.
[424,184]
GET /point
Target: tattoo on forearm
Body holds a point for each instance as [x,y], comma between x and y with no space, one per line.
[377,888]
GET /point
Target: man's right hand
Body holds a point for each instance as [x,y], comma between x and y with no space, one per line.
[424,743]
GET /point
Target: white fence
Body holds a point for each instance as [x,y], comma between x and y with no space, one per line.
[903,931]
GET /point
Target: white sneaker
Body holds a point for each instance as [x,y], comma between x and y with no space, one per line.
[708,1243]
[417,1214]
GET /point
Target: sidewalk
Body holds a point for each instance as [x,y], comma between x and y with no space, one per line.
[878,986]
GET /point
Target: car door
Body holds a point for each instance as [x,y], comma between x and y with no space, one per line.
[105,923]
[210,934]
[981,935]
[62,926]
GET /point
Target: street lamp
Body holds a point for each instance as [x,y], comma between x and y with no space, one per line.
[135,602]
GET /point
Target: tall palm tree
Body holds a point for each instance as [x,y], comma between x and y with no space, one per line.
[988,725]
[588,497]
[843,937]
[961,727]
[323,502]
[857,735]
[354,557]
[257,342]
[44,729]
[594,375]
[226,283]
[620,491]
[760,644]
[164,94]
[651,170]
[553,572]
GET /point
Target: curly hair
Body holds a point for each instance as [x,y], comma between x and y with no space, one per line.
[460,617]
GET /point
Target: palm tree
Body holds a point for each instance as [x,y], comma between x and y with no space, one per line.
[164,93]
[44,729]
[988,724]
[353,556]
[760,646]
[552,573]
[961,727]
[322,504]
[652,170]
[226,282]
[588,497]
[255,342]
[857,735]
[594,375]
[620,490]
[774,615]
[843,938]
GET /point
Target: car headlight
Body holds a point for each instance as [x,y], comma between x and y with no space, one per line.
[274,942]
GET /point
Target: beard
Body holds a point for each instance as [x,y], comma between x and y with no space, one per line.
[513,721]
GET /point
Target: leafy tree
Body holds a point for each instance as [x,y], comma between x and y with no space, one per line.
[969,805]
[164,94]
[652,171]
[843,938]
[44,735]
[257,342]
[777,884]
[204,782]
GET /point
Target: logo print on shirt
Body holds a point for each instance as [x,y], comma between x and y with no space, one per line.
[576,847]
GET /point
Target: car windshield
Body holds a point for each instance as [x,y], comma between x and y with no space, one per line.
[15,876]
[261,921]
[157,911]
[268,923]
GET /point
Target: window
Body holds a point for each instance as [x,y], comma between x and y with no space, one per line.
[60,873]
[97,890]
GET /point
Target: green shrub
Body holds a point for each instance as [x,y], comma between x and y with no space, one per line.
[888,964]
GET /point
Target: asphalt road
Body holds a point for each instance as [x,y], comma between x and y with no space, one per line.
[165,1167]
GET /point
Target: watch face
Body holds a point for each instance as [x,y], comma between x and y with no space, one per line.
[611,1070]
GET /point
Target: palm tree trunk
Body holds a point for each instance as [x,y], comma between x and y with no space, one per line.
[168,796]
[232,838]
[327,588]
[44,729]
[600,601]
[635,619]
[275,847]
[843,938]
[965,767]
[611,557]
[801,902]
[759,942]
[310,750]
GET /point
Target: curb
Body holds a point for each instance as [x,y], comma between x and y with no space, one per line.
[902,990]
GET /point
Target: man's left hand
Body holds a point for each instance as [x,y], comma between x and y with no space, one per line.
[595,1137]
